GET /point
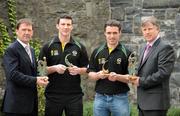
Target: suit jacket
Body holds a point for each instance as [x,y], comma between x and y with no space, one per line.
[20,92]
[154,72]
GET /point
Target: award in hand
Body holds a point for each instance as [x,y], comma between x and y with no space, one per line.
[132,66]
[105,70]
[69,64]
[42,64]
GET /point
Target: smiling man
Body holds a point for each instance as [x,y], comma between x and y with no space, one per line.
[20,98]
[154,70]
[64,92]
[107,63]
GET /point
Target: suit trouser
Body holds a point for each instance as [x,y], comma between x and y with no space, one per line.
[33,113]
[152,112]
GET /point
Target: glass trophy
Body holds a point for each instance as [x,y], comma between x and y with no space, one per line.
[105,70]
[69,64]
[42,65]
[132,65]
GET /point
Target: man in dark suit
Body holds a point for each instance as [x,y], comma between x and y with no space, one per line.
[20,98]
[154,70]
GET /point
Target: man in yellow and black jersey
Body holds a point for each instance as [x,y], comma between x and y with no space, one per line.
[108,67]
[66,60]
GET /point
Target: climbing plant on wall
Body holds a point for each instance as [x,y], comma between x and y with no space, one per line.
[6,38]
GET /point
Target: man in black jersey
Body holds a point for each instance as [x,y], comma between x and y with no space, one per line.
[108,67]
[66,60]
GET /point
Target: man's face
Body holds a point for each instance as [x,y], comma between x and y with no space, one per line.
[25,32]
[65,27]
[112,34]
[150,31]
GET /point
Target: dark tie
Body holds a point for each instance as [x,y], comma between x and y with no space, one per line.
[148,46]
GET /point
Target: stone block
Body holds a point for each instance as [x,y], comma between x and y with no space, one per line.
[177,21]
[171,13]
[120,3]
[127,27]
[132,10]
[159,14]
[118,13]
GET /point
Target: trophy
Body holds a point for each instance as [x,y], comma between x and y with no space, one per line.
[105,71]
[42,64]
[132,65]
[69,64]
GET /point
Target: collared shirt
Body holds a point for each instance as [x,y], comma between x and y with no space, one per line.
[23,44]
[64,84]
[116,61]
[27,48]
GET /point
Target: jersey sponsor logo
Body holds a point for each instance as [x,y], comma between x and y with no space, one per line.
[74,53]
[118,61]
[102,60]
[54,52]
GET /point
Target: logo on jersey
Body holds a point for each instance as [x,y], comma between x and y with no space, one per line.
[118,61]
[102,60]
[74,53]
[54,52]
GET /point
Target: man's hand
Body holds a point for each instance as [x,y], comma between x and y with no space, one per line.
[74,70]
[134,80]
[60,68]
[42,80]
[112,76]
[101,75]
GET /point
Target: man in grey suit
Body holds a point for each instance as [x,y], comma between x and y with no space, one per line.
[154,70]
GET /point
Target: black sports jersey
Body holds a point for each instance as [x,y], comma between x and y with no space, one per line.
[64,83]
[116,61]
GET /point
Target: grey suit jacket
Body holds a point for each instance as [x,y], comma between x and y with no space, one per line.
[154,72]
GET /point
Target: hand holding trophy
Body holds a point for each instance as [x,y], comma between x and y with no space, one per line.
[105,71]
[73,70]
[42,72]
[132,66]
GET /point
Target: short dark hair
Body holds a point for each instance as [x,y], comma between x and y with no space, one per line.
[64,16]
[112,23]
[24,20]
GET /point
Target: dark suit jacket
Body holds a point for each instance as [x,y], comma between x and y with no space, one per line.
[154,72]
[20,92]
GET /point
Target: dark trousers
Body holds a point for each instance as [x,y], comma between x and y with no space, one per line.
[152,112]
[33,113]
[16,114]
[73,107]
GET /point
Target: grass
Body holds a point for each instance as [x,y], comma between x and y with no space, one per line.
[88,110]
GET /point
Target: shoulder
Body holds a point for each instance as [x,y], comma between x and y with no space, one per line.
[98,49]
[125,49]
[14,46]
[164,44]
[50,43]
[76,41]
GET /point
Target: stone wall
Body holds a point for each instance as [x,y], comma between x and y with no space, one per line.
[89,18]
[129,12]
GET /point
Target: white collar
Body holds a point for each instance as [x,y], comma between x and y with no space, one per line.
[23,44]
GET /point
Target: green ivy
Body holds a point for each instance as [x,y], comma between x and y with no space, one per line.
[5,40]
[12,15]
[36,44]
